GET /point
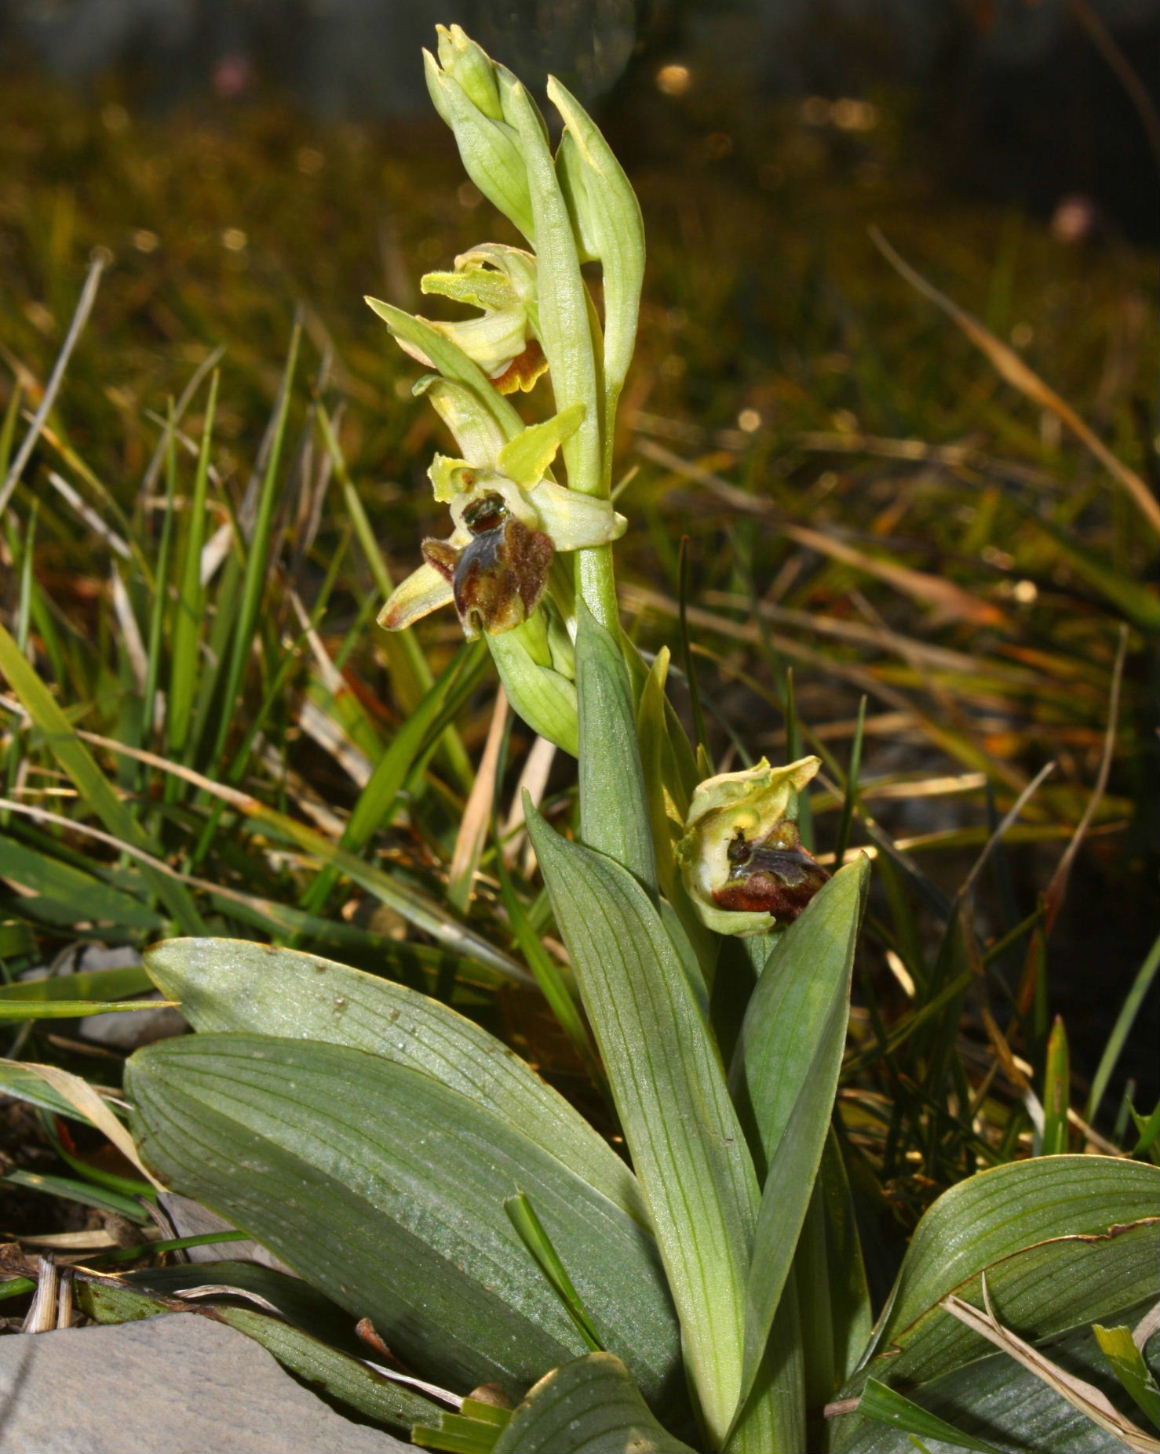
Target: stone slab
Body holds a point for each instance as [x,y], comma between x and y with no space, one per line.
[178,1383]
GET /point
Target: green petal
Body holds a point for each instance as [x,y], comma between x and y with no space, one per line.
[526,458]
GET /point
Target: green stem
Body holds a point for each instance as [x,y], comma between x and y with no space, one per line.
[596,586]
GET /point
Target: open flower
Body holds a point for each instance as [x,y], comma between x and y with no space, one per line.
[501,281]
[509,520]
[741,857]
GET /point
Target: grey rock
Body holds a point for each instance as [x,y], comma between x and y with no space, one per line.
[178,1382]
[130,1029]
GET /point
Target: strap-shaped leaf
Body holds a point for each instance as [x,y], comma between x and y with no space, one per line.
[385,1190]
[233,984]
[785,1078]
[687,1146]
[589,1406]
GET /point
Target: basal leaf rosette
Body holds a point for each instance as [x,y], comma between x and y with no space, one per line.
[741,856]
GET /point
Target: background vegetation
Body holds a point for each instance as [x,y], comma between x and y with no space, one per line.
[848,496]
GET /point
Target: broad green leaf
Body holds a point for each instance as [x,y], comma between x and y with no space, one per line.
[331,1371]
[64,893]
[888,1406]
[95,789]
[385,1189]
[614,817]
[1051,1286]
[785,1079]
[849,1311]
[669,1087]
[834,1314]
[1060,1238]
[997,1401]
[1089,1400]
[233,984]
[589,1406]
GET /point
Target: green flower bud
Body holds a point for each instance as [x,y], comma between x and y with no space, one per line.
[536,677]
[741,856]
[471,66]
[608,225]
[489,147]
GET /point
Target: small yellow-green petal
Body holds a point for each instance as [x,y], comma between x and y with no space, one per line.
[526,458]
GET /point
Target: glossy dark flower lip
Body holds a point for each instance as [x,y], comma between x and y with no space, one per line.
[499,578]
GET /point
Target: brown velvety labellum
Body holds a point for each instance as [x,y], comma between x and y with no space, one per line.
[775,875]
[500,577]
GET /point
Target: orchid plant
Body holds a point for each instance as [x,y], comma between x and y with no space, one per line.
[545,1293]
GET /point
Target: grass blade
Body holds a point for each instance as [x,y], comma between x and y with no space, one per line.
[94,788]
[1121,1030]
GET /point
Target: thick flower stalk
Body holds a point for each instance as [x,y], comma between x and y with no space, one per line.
[741,856]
